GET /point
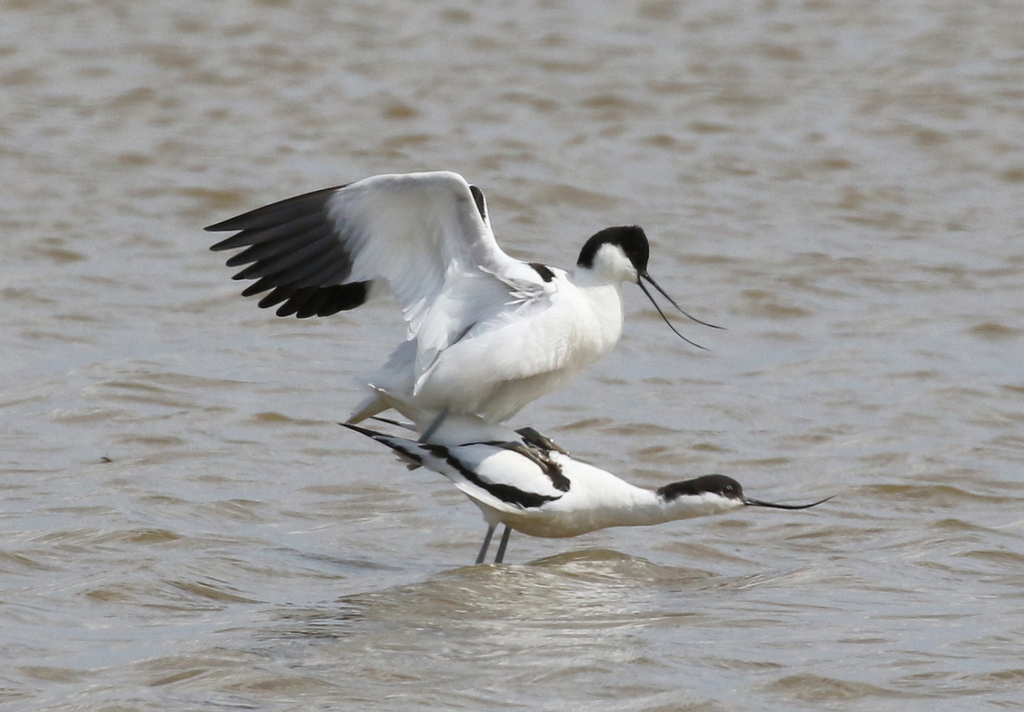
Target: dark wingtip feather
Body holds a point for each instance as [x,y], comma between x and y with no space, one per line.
[345,297]
[278,295]
[293,252]
[317,301]
[275,213]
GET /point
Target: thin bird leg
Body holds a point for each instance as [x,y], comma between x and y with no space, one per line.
[501,546]
[487,543]
[432,428]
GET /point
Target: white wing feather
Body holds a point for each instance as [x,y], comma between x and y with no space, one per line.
[417,231]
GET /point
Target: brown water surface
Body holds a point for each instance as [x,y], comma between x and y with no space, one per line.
[840,184]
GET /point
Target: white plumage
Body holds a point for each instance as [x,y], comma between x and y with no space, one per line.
[487,333]
[528,484]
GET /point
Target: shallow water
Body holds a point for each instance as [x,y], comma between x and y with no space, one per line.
[838,184]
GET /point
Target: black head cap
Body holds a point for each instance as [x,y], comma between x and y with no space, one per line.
[713,484]
[629,238]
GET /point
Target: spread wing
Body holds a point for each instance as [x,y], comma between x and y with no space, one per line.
[423,234]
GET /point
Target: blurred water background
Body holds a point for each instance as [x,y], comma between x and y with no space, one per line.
[840,184]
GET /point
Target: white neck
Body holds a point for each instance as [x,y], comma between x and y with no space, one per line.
[599,499]
[648,507]
[606,304]
[586,278]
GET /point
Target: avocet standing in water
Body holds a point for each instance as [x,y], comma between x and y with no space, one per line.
[487,333]
[535,488]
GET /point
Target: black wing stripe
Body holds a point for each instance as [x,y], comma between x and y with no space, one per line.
[325,271]
[296,251]
[272,233]
[276,296]
[543,270]
[481,202]
[310,253]
[293,239]
[257,287]
[506,493]
[300,275]
[315,298]
[277,213]
[559,481]
[539,455]
[344,297]
[329,300]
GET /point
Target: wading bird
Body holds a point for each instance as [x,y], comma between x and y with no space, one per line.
[531,486]
[487,333]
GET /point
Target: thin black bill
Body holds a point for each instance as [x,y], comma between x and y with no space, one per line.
[640,282]
[773,505]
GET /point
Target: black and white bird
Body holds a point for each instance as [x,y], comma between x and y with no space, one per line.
[534,487]
[487,333]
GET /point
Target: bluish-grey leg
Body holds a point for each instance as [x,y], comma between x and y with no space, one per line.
[487,543]
[501,546]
